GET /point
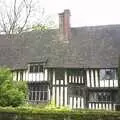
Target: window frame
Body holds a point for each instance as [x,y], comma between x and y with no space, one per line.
[100,96]
[37,94]
[36,68]
[21,75]
[105,76]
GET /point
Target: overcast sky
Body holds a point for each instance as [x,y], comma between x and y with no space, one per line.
[86,12]
[83,12]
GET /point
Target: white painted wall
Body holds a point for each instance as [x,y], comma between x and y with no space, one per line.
[76,102]
[42,76]
[104,106]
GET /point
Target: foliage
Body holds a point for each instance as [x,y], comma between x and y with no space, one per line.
[18,16]
[11,93]
[32,113]
[52,106]
[39,27]
[22,86]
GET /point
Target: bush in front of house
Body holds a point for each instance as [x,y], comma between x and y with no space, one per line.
[32,113]
[11,93]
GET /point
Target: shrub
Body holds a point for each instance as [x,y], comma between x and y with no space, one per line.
[29,113]
[11,93]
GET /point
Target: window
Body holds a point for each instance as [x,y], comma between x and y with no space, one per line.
[21,75]
[38,92]
[31,68]
[99,96]
[35,68]
[17,75]
[107,74]
[40,68]
[75,91]
[76,75]
[59,74]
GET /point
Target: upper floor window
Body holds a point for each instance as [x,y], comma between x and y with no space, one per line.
[76,76]
[59,74]
[35,68]
[107,74]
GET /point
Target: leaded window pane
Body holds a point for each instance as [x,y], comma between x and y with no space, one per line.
[107,74]
[99,96]
[35,68]
[38,92]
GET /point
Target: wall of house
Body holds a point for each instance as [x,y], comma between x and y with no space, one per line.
[31,77]
[97,79]
[41,76]
[39,89]
[94,79]
[61,89]
[69,87]
[101,105]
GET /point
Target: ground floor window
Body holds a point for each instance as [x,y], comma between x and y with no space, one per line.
[75,91]
[100,97]
[38,92]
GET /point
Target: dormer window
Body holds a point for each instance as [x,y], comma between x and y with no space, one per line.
[40,68]
[36,68]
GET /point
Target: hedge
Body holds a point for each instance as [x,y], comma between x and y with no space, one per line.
[23,113]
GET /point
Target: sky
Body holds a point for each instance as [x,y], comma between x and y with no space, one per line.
[83,12]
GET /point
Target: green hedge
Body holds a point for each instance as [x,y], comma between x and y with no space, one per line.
[22,113]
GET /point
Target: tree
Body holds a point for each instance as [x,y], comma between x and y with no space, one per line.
[11,19]
[21,16]
[10,93]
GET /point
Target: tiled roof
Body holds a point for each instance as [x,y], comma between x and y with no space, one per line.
[89,47]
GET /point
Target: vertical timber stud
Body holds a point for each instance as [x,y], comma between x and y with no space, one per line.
[96,78]
[66,87]
[86,90]
[92,78]
[53,88]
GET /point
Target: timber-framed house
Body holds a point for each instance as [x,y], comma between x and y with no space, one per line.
[74,67]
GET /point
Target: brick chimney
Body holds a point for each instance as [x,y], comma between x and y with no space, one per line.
[64,25]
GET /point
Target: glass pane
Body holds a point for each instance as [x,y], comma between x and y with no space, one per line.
[45,95]
[36,68]
[59,74]
[107,74]
[40,68]
[37,95]
[31,68]
[45,87]
[41,95]
[102,74]
[33,95]
[30,95]
[41,88]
